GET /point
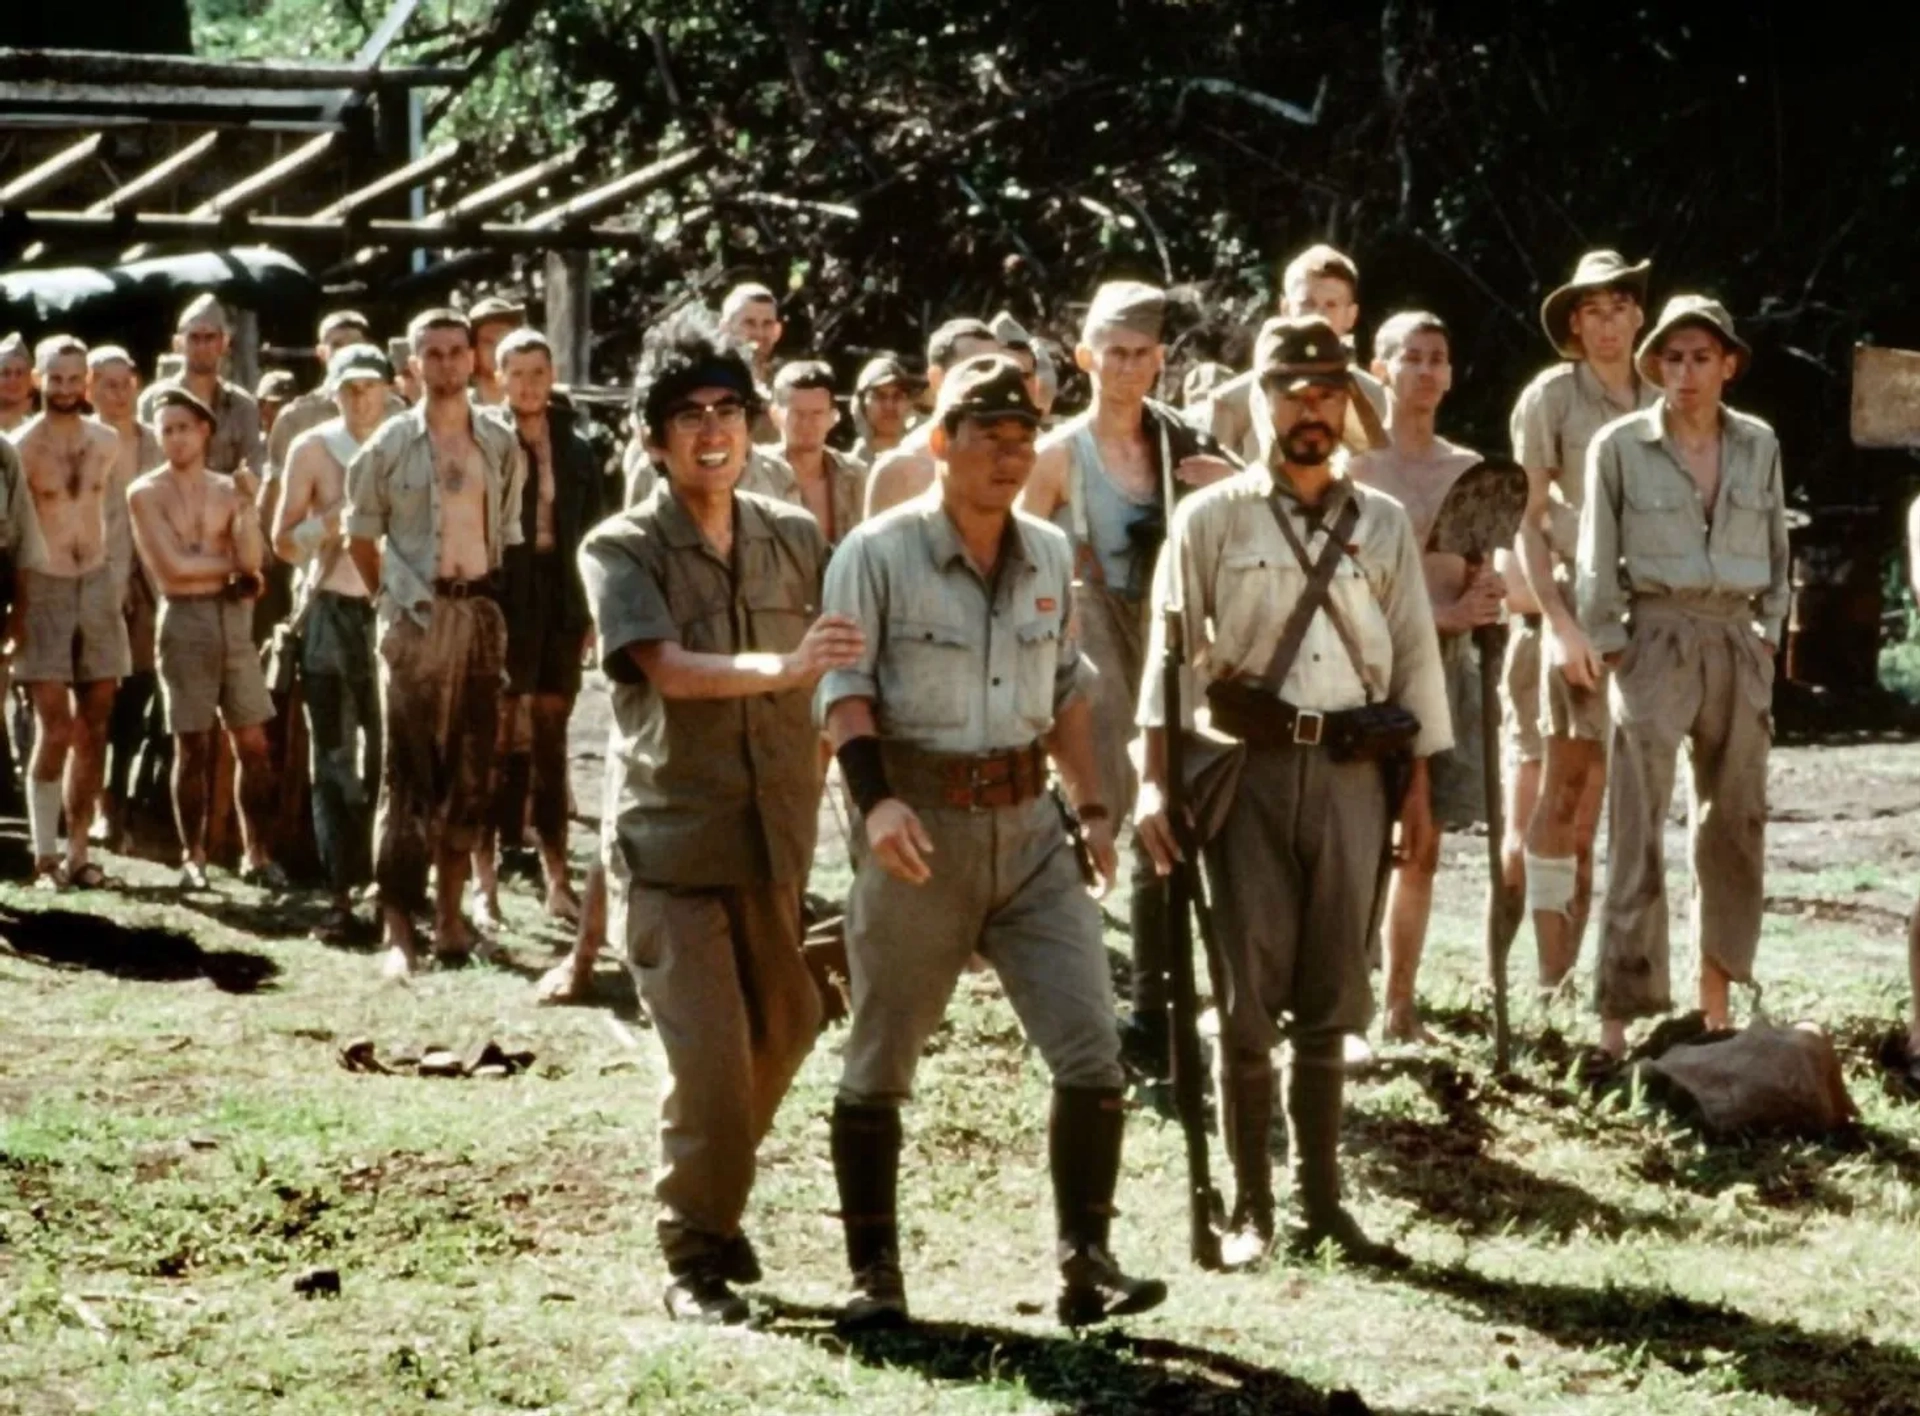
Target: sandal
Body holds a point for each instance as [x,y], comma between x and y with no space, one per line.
[89,876]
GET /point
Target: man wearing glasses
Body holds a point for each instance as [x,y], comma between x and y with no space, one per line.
[705,598]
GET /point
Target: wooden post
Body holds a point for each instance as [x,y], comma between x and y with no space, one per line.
[570,313]
[243,355]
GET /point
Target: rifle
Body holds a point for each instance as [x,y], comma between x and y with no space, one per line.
[1186,905]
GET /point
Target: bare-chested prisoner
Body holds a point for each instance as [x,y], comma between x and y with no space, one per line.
[73,650]
[198,533]
[433,499]
[908,470]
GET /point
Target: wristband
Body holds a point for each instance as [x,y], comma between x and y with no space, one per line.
[864,772]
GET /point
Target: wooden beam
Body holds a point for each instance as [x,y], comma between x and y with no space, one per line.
[244,193]
[50,171]
[86,66]
[412,175]
[384,34]
[568,323]
[241,227]
[259,108]
[618,192]
[508,188]
[156,176]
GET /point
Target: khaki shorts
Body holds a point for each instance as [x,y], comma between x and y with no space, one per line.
[75,629]
[1520,708]
[1577,713]
[208,664]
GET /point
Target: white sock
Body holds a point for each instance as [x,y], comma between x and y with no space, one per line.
[43,816]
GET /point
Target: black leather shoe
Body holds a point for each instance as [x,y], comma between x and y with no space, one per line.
[737,1262]
[1093,1289]
[702,1296]
[1343,1231]
[879,1298]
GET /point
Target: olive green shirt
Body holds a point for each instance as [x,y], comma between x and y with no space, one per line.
[392,492]
[955,661]
[766,473]
[704,793]
[1645,533]
[1240,581]
[1554,422]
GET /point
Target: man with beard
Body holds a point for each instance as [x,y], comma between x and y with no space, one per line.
[1099,477]
[113,386]
[433,500]
[1412,357]
[1310,640]
[1683,591]
[705,601]
[203,338]
[1556,682]
[831,485]
[943,729]
[16,383]
[1319,282]
[883,403]
[548,625]
[74,651]
[198,533]
[908,470]
[333,610]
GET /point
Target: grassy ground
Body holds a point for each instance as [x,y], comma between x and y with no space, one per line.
[178,1143]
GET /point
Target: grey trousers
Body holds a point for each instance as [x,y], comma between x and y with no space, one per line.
[341,682]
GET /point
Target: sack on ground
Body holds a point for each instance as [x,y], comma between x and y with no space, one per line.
[1762,1079]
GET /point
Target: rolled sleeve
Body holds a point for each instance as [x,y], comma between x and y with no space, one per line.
[627,602]
[853,589]
[1602,603]
[1418,680]
[1779,594]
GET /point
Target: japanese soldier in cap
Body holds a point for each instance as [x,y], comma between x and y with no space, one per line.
[1682,591]
[1099,477]
[1556,684]
[705,599]
[968,684]
[1311,643]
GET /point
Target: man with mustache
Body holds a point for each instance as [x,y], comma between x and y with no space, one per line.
[74,651]
[1311,641]
[1683,592]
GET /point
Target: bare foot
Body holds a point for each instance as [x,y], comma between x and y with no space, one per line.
[452,939]
[568,981]
[1403,1025]
[561,904]
[486,912]
[1613,1037]
[49,873]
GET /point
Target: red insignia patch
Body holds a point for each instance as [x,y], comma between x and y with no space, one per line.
[1046,604]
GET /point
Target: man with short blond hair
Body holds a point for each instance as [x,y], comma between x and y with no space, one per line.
[16,382]
[203,336]
[433,502]
[831,485]
[74,651]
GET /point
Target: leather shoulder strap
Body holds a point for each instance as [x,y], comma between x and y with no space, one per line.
[1313,595]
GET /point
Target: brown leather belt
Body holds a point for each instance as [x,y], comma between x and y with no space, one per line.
[1269,722]
[964,781]
[463,589]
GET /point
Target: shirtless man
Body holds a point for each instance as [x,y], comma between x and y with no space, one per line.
[16,382]
[908,470]
[832,485]
[334,610]
[1591,321]
[204,337]
[493,319]
[198,534]
[433,500]
[883,404]
[1098,477]
[1319,281]
[113,384]
[74,649]
[1412,357]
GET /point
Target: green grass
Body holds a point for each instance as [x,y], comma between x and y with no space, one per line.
[173,1154]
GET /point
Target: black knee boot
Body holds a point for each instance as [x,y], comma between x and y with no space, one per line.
[1143,1037]
[1083,1152]
[1246,1123]
[1315,1082]
[866,1168]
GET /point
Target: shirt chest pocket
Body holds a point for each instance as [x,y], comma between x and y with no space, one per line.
[1748,532]
[1248,592]
[1660,519]
[777,618]
[933,669]
[1037,658]
[412,485]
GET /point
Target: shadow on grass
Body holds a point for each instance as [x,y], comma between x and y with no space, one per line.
[64,939]
[1107,1372]
[1814,1371]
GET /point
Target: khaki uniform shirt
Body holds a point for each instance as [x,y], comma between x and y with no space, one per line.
[846,485]
[1554,421]
[1644,532]
[955,662]
[19,522]
[712,792]
[1240,580]
[307,411]
[392,492]
[236,425]
[1236,414]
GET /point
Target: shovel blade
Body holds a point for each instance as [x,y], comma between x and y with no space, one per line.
[1886,397]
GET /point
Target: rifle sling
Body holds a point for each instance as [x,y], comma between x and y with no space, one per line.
[1314,595]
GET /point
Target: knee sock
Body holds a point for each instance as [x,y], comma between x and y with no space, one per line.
[1551,882]
[43,816]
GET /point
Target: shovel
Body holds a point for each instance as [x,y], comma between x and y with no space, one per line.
[1481,515]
